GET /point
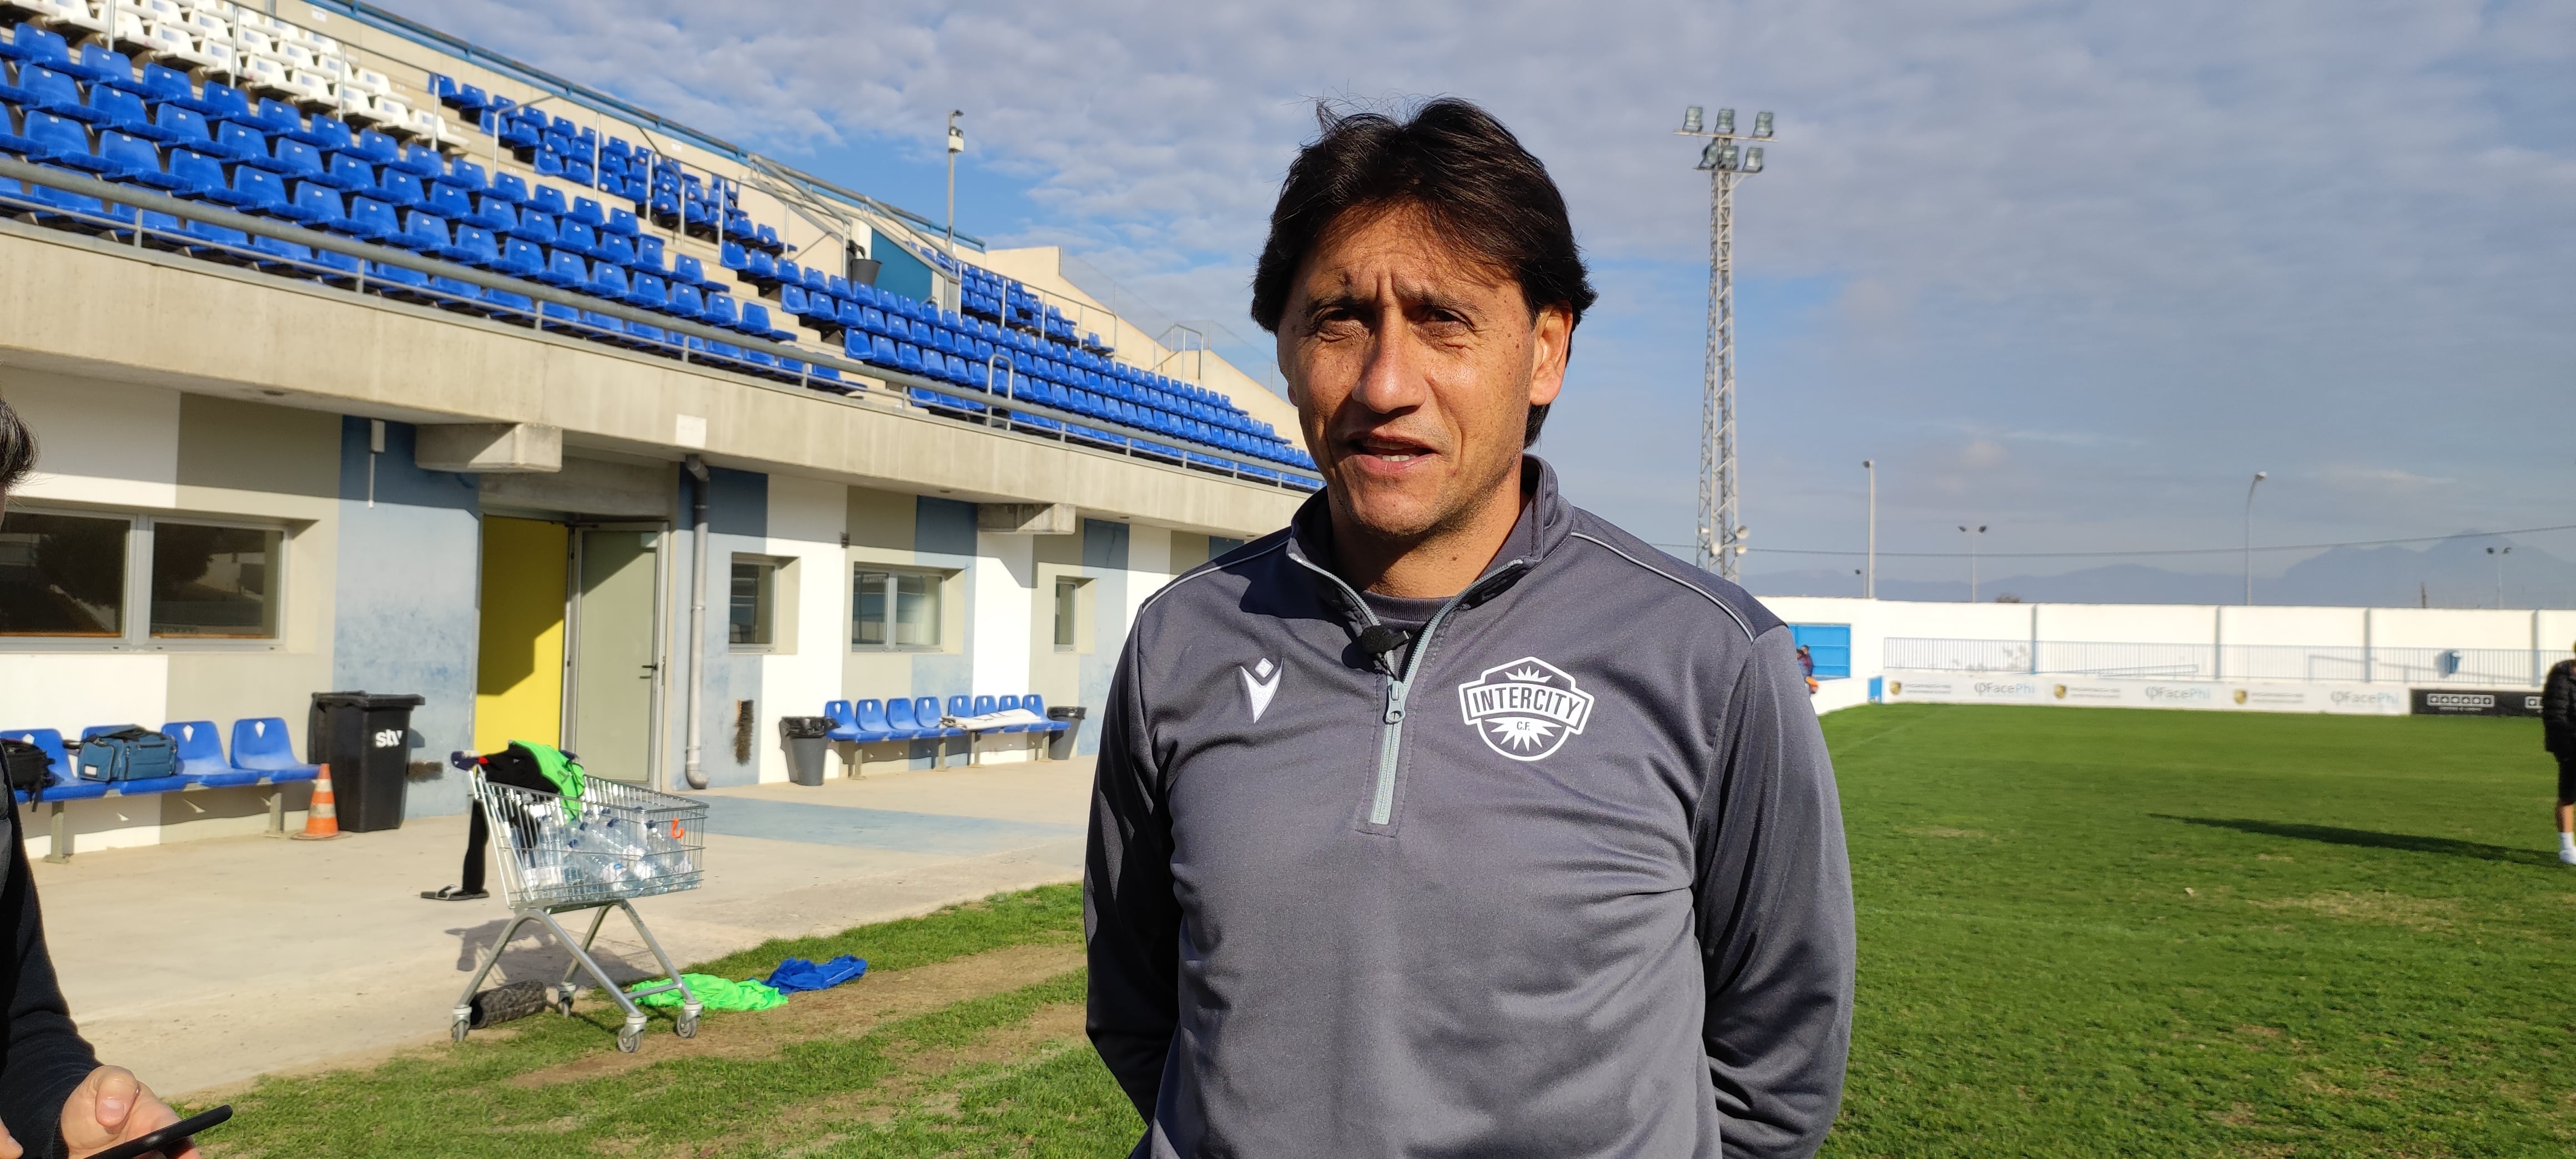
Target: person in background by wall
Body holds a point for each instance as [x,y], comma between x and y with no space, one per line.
[2558,735]
[55,1098]
[1807,668]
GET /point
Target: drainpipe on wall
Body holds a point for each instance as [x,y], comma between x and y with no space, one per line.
[697,468]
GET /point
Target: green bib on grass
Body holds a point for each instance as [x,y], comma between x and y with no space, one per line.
[715,993]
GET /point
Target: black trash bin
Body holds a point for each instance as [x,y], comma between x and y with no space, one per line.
[366,739]
[1060,745]
[807,738]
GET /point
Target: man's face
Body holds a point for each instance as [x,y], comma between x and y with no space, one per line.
[1413,367]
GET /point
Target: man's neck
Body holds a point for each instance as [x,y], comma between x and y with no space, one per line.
[1436,565]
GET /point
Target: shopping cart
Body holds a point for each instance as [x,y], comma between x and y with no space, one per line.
[562,855]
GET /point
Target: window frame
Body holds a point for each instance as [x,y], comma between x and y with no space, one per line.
[135,632]
[770,569]
[937,581]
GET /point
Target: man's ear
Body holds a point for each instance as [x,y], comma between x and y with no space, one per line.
[1551,338]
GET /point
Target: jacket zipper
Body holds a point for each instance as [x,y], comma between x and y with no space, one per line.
[1390,744]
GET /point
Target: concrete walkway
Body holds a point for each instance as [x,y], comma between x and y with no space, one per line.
[207,963]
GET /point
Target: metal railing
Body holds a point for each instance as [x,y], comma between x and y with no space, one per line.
[2286,662]
[575,313]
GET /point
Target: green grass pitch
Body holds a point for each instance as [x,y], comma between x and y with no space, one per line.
[2084,932]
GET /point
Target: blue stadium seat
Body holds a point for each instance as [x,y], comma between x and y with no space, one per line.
[273,254]
[926,709]
[506,305]
[686,301]
[508,187]
[165,85]
[444,200]
[521,258]
[276,118]
[223,102]
[200,176]
[55,93]
[61,141]
[424,162]
[134,159]
[201,755]
[755,322]
[252,191]
[396,188]
[589,213]
[612,248]
[534,226]
[549,200]
[565,270]
[314,204]
[901,722]
[261,743]
[97,65]
[238,143]
[347,173]
[423,232]
[119,109]
[375,148]
[368,218]
[647,291]
[292,159]
[577,236]
[648,254]
[329,134]
[473,246]
[607,281]
[719,311]
[397,279]
[621,223]
[491,212]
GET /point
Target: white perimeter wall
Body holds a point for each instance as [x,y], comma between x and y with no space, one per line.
[806,519]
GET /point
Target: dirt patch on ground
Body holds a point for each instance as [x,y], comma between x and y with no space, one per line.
[1946,831]
[845,1011]
[2429,914]
[903,1088]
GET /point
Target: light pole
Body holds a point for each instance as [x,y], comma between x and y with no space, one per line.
[1719,499]
[2259,476]
[2498,555]
[956,145]
[1869,579]
[1973,535]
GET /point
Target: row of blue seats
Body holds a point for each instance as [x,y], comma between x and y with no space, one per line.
[870,721]
[266,160]
[261,755]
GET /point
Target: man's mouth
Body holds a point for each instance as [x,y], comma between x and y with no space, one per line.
[1389,451]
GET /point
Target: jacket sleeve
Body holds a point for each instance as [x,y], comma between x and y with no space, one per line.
[1774,915]
[46,1055]
[2558,703]
[1131,922]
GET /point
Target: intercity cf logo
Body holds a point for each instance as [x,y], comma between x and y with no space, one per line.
[1525,709]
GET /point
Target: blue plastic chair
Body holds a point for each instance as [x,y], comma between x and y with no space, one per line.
[261,743]
[422,232]
[396,188]
[565,270]
[473,246]
[315,204]
[902,723]
[66,784]
[534,226]
[926,710]
[685,301]
[201,755]
[876,722]
[1037,704]
[368,218]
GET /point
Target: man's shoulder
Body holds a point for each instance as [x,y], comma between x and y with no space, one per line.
[1217,586]
[1632,570]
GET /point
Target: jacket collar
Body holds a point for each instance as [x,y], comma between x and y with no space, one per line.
[1546,520]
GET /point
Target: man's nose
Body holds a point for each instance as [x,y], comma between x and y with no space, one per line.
[1391,380]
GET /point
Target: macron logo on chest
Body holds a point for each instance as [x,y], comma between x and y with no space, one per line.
[1259,689]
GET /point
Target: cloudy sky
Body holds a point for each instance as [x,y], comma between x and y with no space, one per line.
[2071,270]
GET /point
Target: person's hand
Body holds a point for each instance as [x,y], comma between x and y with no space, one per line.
[9,1148]
[112,1106]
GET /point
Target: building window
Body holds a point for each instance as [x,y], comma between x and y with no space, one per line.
[1068,613]
[213,583]
[895,610]
[62,575]
[750,624]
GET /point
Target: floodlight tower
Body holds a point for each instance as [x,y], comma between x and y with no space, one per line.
[956,145]
[1721,537]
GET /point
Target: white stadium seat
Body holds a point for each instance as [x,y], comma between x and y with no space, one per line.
[172,42]
[66,14]
[359,107]
[370,81]
[164,11]
[293,56]
[249,19]
[310,87]
[250,41]
[262,74]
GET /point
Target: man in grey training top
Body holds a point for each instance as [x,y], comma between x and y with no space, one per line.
[1452,820]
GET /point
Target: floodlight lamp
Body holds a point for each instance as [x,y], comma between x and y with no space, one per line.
[1708,155]
[1762,125]
[1690,119]
[1728,156]
[1726,120]
[1753,159]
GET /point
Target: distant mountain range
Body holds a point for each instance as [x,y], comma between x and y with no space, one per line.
[2455,572]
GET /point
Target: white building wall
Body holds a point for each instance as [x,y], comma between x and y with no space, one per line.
[1149,566]
[806,519]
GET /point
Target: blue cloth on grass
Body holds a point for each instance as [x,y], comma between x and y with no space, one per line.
[796,974]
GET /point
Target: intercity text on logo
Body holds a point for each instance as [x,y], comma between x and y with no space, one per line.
[1525,709]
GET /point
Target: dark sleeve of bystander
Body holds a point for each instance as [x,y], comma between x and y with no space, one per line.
[2558,709]
[1131,922]
[45,1055]
[1774,914]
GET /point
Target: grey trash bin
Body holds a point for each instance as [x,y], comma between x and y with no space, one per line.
[807,740]
[1060,745]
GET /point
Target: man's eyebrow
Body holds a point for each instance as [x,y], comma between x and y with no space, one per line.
[1347,299]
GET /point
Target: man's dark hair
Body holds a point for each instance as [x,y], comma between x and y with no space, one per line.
[17,450]
[1456,164]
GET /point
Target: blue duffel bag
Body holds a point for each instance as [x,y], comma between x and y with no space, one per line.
[128,754]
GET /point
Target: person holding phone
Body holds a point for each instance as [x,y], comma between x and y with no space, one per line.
[55,1098]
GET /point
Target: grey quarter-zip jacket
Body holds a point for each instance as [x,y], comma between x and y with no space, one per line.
[1563,878]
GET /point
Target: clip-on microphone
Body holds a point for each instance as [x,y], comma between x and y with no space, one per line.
[1378,640]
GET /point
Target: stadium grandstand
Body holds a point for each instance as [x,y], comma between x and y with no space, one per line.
[366,358]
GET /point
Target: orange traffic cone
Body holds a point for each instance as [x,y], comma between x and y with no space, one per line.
[322,822]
